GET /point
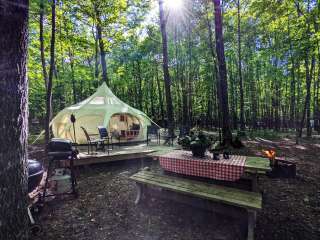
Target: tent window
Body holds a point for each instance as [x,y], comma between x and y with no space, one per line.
[97,101]
[123,118]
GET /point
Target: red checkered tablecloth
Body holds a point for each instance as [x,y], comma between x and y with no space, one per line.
[183,162]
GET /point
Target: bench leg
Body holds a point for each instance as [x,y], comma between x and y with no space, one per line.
[255,186]
[251,224]
[139,193]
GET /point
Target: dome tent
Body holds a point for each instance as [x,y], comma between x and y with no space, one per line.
[102,108]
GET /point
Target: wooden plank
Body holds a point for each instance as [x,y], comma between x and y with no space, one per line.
[214,206]
[218,196]
[160,150]
[153,175]
[257,165]
[221,194]
[110,158]
[255,171]
[230,192]
[115,153]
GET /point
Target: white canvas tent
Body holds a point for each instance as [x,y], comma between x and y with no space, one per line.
[103,108]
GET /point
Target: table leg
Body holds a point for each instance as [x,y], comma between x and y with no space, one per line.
[251,224]
[139,193]
[255,187]
[108,145]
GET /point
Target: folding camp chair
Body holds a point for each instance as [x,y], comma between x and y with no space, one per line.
[91,141]
[153,131]
[104,135]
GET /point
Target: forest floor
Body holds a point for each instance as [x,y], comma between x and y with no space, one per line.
[105,208]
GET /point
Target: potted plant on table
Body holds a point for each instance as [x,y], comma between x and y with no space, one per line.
[198,144]
[185,142]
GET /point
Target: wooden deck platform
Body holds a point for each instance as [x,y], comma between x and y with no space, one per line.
[120,153]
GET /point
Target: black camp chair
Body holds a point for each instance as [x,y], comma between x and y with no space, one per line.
[167,137]
[153,131]
[104,135]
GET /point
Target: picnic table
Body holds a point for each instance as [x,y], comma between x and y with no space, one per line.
[183,164]
[232,169]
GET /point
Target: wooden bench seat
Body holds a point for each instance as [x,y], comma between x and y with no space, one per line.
[251,201]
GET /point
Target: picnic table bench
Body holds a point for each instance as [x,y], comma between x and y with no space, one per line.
[250,201]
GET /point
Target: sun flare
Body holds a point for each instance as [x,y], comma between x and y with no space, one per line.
[173,4]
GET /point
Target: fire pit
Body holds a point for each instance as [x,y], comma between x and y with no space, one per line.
[271,154]
[35,172]
[280,167]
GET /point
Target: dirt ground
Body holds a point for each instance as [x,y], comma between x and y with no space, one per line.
[291,207]
[105,208]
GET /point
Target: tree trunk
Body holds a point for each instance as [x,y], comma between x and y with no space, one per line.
[14,119]
[190,77]
[242,125]
[74,91]
[136,100]
[96,56]
[190,113]
[151,96]
[140,92]
[102,47]
[184,97]
[292,96]
[308,98]
[297,109]
[167,81]
[254,92]
[317,110]
[306,109]
[223,84]
[43,60]
[49,86]
[71,59]
[81,89]
[160,94]
[177,79]
[102,56]
[215,69]
[253,89]
[292,83]
[233,95]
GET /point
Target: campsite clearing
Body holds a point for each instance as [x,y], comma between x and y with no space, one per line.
[105,208]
